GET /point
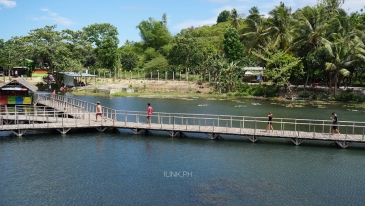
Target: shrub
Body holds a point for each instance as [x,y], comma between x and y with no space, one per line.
[349,96]
[304,94]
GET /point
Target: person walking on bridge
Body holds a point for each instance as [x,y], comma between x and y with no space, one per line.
[99,112]
[269,123]
[334,123]
[149,113]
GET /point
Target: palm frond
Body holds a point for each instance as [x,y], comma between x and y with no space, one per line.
[330,66]
[344,72]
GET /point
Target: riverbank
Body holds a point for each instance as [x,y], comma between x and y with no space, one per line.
[182,89]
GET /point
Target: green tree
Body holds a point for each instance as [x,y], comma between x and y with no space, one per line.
[150,53]
[154,33]
[159,63]
[345,46]
[234,17]
[342,56]
[311,27]
[357,19]
[105,39]
[331,5]
[129,60]
[47,47]
[185,52]
[3,55]
[233,49]
[279,24]
[223,16]
[255,35]
[80,49]
[280,66]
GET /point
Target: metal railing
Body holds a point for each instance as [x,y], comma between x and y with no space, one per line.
[227,122]
[230,124]
[42,117]
[72,105]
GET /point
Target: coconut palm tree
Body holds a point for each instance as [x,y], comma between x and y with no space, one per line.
[234,17]
[346,49]
[311,30]
[256,33]
[280,25]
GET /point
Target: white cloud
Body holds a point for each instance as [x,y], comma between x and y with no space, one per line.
[54,17]
[8,3]
[353,5]
[195,23]
[264,6]
[267,5]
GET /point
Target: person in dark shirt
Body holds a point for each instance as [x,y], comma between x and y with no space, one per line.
[334,123]
[269,123]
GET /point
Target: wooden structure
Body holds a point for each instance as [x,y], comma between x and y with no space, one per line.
[253,74]
[18,71]
[74,79]
[17,92]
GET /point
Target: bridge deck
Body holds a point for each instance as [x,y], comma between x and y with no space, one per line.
[70,113]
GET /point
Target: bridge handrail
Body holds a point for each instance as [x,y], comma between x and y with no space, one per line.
[224,117]
[111,113]
[68,103]
[81,108]
[43,112]
[185,121]
[165,122]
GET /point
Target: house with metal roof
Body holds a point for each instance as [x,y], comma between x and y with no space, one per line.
[253,70]
[253,74]
[74,79]
[17,92]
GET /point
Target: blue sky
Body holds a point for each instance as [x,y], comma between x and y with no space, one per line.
[18,17]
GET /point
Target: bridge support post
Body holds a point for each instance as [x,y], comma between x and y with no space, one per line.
[253,139]
[19,132]
[213,136]
[63,130]
[136,131]
[342,144]
[7,122]
[173,133]
[101,129]
[296,141]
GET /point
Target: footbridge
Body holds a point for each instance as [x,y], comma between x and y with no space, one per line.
[63,114]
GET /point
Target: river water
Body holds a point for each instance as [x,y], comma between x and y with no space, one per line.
[94,168]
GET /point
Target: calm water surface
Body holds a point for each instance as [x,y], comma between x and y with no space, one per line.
[126,169]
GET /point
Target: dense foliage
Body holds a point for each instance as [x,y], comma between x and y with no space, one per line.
[321,44]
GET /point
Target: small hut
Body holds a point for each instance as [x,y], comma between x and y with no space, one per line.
[253,74]
[17,92]
[74,79]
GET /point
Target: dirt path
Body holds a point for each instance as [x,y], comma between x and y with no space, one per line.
[140,85]
[151,86]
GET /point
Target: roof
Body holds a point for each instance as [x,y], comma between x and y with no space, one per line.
[76,74]
[23,82]
[253,68]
